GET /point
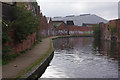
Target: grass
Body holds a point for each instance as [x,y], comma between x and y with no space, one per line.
[35,44]
[23,52]
[9,57]
[37,62]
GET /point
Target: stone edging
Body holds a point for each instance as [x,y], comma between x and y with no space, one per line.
[39,70]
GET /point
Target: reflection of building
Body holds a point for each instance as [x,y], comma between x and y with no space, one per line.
[70,43]
[110,49]
[119,9]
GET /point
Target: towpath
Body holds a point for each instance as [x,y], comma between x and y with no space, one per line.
[23,61]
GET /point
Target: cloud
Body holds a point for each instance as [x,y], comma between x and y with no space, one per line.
[107,10]
[76,1]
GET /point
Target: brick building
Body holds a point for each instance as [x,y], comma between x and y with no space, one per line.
[7,15]
[78,30]
[60,28]
[65,29]
[51,29]
[110,30]
[43,27]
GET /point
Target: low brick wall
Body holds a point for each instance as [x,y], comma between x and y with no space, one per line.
[26,44]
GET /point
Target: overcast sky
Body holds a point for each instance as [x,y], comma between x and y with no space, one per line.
[107,9]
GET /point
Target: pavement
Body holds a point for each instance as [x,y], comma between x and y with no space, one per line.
[23,61]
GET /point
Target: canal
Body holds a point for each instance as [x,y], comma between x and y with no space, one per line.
[83,57]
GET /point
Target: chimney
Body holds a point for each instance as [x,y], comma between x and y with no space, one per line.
[38,9]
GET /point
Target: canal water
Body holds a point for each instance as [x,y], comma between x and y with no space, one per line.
[84,57]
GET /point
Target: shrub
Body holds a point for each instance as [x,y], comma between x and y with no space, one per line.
[96,32]
[5,29]
[25,23]
[112,30]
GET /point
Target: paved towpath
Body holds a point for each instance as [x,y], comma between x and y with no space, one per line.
[25,60]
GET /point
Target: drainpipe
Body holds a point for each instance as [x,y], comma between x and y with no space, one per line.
[68,30]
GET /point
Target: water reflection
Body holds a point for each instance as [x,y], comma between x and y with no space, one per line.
[84,58]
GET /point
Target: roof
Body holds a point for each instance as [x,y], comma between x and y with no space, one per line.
[57,24]
[79,20]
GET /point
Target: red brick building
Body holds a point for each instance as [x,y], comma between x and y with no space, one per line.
[110,30]
[64,29]
[51,29]
[31,38]
[43,26]
[78,30]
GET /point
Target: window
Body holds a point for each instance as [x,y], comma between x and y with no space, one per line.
[70,23]
[108,27]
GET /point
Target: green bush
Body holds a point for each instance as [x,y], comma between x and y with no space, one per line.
[119,35]
[96,32]
[5,29]
[112,30]
[25,23]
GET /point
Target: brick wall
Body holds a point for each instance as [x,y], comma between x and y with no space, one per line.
[62,29]
[102,27]
[26,44]
[50,28]
[43,28]
[74,30]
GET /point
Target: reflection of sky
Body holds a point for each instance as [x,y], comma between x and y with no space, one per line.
[107,9]
[80,62]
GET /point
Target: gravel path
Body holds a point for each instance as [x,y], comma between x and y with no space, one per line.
[25,60]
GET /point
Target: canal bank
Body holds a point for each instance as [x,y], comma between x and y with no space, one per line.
[69,36]
[37,71]
[26,65]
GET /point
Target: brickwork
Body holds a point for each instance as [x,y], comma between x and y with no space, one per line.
[110,30]
[74,30]
[30,39]
[51,30]
[26,44]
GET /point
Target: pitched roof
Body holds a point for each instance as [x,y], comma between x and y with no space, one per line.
[57,23]
[48,19]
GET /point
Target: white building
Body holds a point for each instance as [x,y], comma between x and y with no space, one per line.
[81,19]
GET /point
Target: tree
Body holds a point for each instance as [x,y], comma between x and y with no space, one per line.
[96,32]
[25,23]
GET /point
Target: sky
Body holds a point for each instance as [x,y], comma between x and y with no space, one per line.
[107,9]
